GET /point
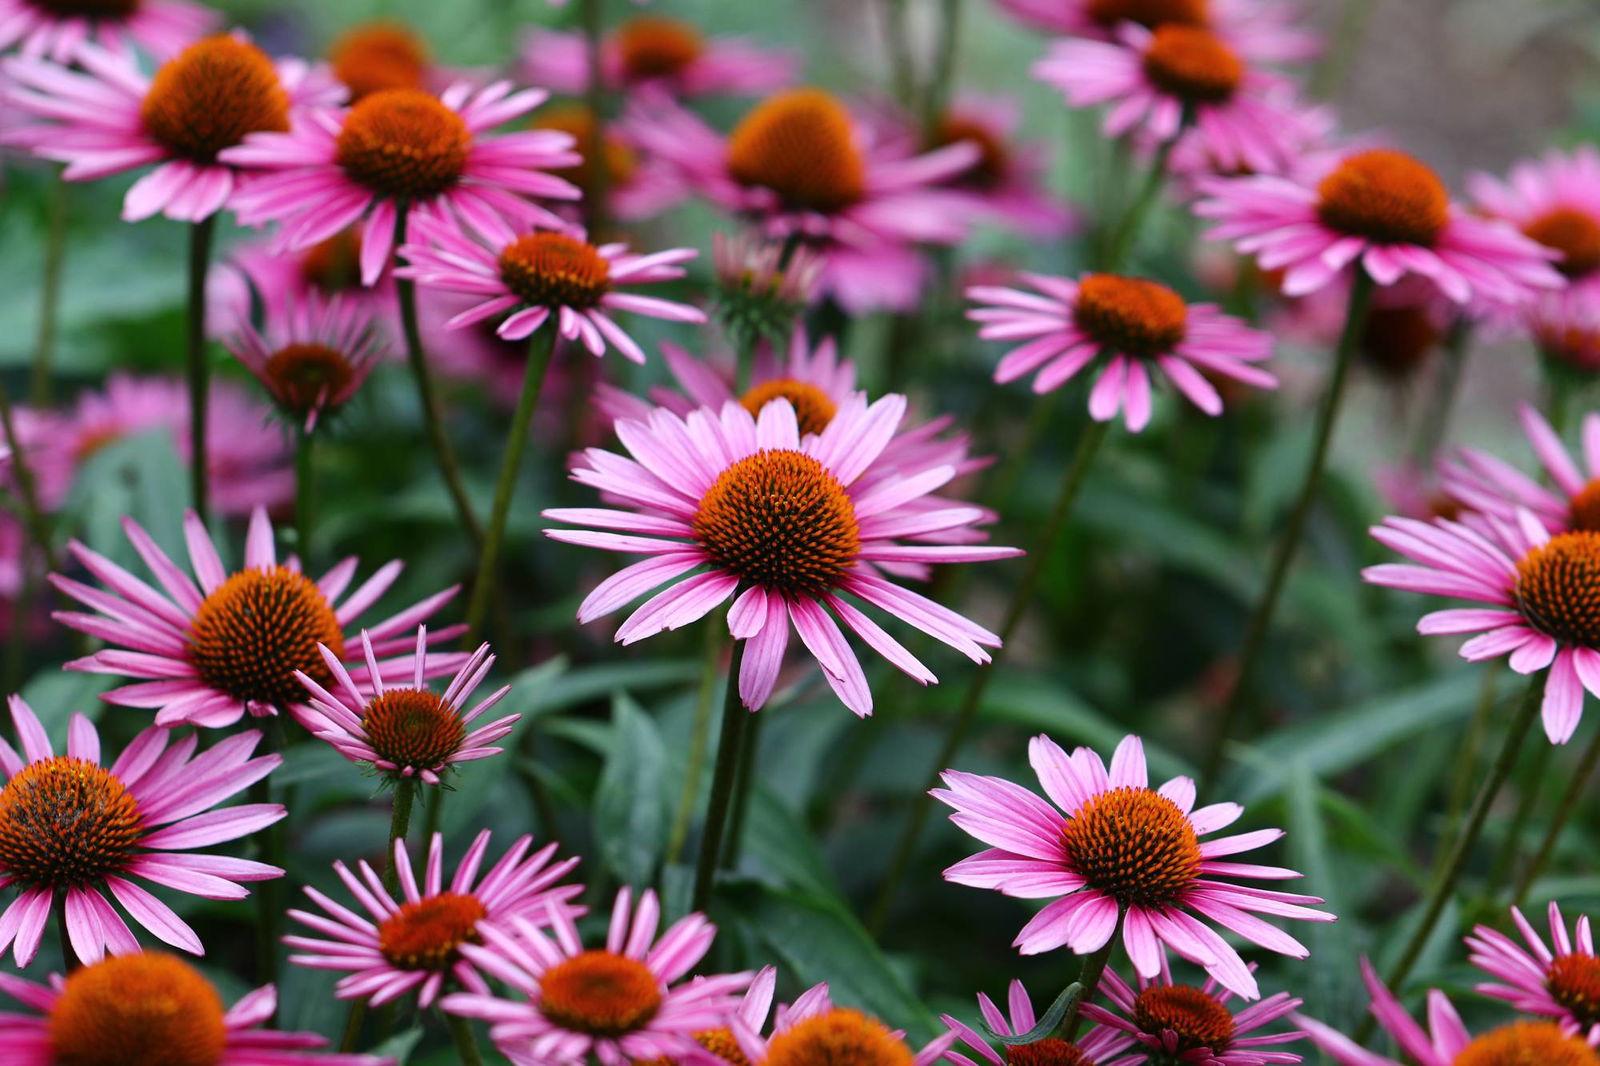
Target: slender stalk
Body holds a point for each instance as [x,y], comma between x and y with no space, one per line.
[941,77]
[432,419]
[710,658]
[592,13]
[734,718]
[1094,967]
[1527,800]
[268,895]
[405,794]
[744,781]
[1330,74]
[69,958]
[1094,435]
[1569,803]
[199,366]
[540,348]
[1436,422]
[33,515]
[304,489]
[1294,528]
[1467,759]
[352,1026]
[466,1042]
[55,246]
[1124,237]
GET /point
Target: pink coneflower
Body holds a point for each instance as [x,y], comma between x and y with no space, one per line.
[619,1004]
[637,184]
[1121,848]
[1008,183]
[1537,585]
[112,118]
[1563,984]
[414,943]
[1555,200]
[437,156]
[1097,1047]
[793,520]
[1129,326]
[1486,483]
[312,357]
[1406,325]
[1566,328]
[1194,1026]
[207,654]
[1261,30]
[653,52]
[407,731]
[256,273]
[760,287]
[809,1031]
[151,1009]
[532,278]
[60,29]
[73,828]
[800,166]
[1447,1041]
[1383,212]
[381,54]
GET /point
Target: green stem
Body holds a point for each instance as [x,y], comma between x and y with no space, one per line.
[50,291]
[466,1042]
[1437,421]
[405,793]
[1289,540]
[33,515]
[749,749]
[1089,443]
[1127,232]
[592,12]
[1527,800]
[352,1026]
[199,366]
[304,490]
[540,348]
[1094,967]
[1467,760]
[268,895]
[734,718]
[941,77]
[1569,803]
[698,740]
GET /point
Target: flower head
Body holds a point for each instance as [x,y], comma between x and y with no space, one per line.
[659,54]
[1008,183]
[207,653]
[1192,1025]
[792,522]
[312,358]
[1568,497]
[1121,849]
[62,29]
[414,943]
[1555,200]
[1098,1045]
[74,829]
[1563,983]
[1567,331]
[637,184]
[1267,31]
[257,274]
[373,56]
[1129,326]
[761,287]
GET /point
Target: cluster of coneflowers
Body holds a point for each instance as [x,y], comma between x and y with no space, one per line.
[407,209]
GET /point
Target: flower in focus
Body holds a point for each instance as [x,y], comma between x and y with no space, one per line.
[62,29]
[1263,31]
[637,185]
[1448,1043]
[620,1004]
[74,829]
[235,643]
[1383,212]
[761,287]
[407,731]
[312,358]
[383,54]
[436,156]
[110,117]
[657,53]
[790,520]
[811,1031]
[150,1009]
[1009,180]
[1192,1026]
[1132,327]
[1560,984]
[1567,498]
[1099,1045]
[532,278]
[414,943]
[1122,848]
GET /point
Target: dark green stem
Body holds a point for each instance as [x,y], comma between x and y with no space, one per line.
[466,1043]
[723,772]
[744,781]
[1467,759]
[199,366]
[1128,229]
[55,248]
[304,490]
[698,742]
[936,90]
[268,895]
[352,1026]
[1527,800]
[405,793]
[1569,803]
[1094,967]
[595,214]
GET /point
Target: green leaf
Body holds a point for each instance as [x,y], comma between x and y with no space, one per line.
[400,1046]
[631,802]
[568,688]
[140,478]
[783,845]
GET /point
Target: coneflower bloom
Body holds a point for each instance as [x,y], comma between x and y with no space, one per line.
[1561,983]
[1009,180]
[382,54]
[637,184]
[76,830]
[1555,200]
[258,276]
[546,276]
[1447,1041]
[1192,1025]
[788,520]
[1538,589]
[619,1004]
[1567,331]
[408,731]
[1380,211]
[1129,328]
[413,944]
[151,1009]
[1262,30]
[1098,1047]
[761,287]
[210,648]
[810,1031]
[60,29]
[437,155]
[1486,483]
[112,117]
[312,357]
[1122,848]
[657,53]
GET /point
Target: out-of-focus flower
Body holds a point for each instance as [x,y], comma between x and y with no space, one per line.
[1261,30]
[1555,200]
[1192,1026]
[810,1030]
[1008,181]
[1405,326]
[62,29]
[209,653]
[1125,855]
[312,358]
[1098,1045]
[1567,331]
[1132,327]
[74,831]
[1413,490]
[111,117]
[373,56]
[1537,980]
[413,944]
[1483,482]
[761,287]
[791,519]
[257,275]
[653,52]
[637,185]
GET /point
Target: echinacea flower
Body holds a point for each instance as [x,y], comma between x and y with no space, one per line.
[1262,30]
[1009,180]
[637,184]
[545,276]
[1447,1041]
[1555,200]
[620,1004]
[1097,1047]
[414,943]
[1567,332]
[1122,855]
[111,117]
[792,522]
[436,157]
[653,52]
[151,1009]
[77,831]
[404,730]
[311,357]
[760,287]
[1570,501]
[370,57]
[1188,1025]
[209,653]
[1557,983]
[810,1031]
[1129,326]
[60,29]
[1382,212]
